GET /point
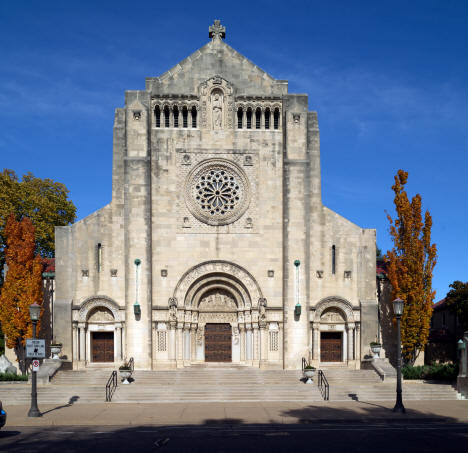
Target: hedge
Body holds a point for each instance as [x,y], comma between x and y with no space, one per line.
[436,371]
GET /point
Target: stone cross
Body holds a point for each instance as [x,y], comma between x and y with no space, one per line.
[217,31]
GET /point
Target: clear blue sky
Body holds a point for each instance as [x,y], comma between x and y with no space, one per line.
[388,79]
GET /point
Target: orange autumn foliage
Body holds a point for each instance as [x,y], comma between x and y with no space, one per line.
[410,266]
[23,282]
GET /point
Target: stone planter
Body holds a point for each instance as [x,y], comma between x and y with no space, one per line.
[125,374]
[375,348]
[309,374]
[55,350]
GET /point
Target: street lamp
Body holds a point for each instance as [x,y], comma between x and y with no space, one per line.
[34,313]
[398,311]
[462,349]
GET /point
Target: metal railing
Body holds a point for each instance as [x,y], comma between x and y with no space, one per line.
[111,386]
[323,385]
[131,364]
[304,363]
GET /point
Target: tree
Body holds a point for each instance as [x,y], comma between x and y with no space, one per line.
[457,300]
[410,266]
[44,201]
[22,285]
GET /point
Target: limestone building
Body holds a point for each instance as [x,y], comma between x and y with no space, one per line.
[216,246]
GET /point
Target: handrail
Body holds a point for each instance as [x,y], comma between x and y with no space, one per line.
[323,385]
[131,364]
[305,363]
[111,386]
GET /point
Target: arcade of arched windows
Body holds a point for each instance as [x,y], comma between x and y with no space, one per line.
[175,115]
[262,117]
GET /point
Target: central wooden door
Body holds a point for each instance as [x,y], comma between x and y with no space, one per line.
[102,346]
[331,347]
[218,343]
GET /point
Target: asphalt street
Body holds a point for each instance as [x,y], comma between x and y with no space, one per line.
[381,437]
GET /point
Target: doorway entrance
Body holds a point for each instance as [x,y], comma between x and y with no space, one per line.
[331,346]
[102,346]
[218,343]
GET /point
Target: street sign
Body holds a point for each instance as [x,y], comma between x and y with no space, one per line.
[35,349]
[35,365]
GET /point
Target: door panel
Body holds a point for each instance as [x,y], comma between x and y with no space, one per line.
[218,341]
[331,347]
[102,346]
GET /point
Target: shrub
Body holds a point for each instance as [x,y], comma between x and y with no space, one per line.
[436,371]
[12,377]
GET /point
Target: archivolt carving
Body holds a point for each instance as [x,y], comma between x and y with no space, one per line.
[217,300]
[334,302]
[231,271]
[100,314]
[98,301]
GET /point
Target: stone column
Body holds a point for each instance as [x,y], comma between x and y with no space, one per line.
[350,342]
[82,327]
[358,343]
[255,340]
[316,342]
[193,342]
[172,341]
[244,118]
[262,118]
[248,343]
[118,342]
[263,345]
[180,344]
[75,342]
[242,343]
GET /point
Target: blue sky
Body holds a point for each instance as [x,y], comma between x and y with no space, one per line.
[388,79]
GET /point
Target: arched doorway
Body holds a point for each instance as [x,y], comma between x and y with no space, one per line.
[97,332]
[218,314]
[335,333]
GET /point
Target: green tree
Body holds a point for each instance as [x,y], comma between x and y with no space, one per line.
[410,265]
[44,201]
[22,286]
[457,300]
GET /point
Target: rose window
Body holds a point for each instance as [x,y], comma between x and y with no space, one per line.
[217,192]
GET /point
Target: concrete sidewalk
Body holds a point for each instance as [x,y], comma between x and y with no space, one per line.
[113,414]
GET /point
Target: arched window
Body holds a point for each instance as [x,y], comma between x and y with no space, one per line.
[157,116]
[194,116]
[267,118]
[184,116]
[276,118]
[258,118]
[249,118]
[240,114]
[166,116]
[175,111]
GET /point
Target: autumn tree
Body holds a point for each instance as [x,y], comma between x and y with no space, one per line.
[22,285]
[44,201]
[457,300]
[410,265]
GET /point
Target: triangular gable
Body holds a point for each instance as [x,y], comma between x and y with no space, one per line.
[216,58]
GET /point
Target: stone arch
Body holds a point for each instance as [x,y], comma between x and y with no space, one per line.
[334,302]
[98,301]
[222,271]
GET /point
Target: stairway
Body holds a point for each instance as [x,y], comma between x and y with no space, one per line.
[219,384]
[77,386]
[216,384]
[365,385]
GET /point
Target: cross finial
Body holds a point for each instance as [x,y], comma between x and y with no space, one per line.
[217,31]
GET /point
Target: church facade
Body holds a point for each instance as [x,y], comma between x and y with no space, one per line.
[216,246]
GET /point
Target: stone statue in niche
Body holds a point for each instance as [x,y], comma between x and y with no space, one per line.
[236,335]
[173,309]
[262,302]
[217,106]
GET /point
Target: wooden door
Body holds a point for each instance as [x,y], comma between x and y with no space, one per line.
[331,347]
[102,346]
[218,341]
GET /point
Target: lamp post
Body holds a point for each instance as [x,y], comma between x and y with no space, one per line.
[462,349]
[34,313]
[398,311]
